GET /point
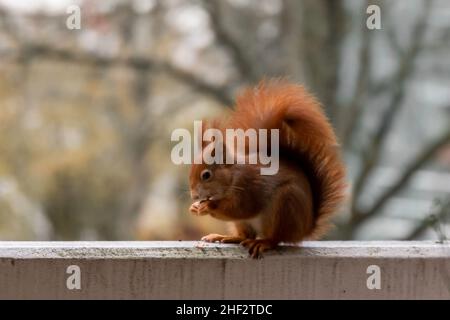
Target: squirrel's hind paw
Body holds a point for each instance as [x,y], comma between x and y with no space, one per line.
[257,246]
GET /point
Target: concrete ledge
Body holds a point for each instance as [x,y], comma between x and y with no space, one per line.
[196,270]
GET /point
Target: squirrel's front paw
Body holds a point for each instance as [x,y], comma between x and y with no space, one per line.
[214,237]
[199,208]
[194,207]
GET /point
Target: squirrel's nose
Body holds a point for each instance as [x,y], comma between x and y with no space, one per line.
[203,195]
[194,196]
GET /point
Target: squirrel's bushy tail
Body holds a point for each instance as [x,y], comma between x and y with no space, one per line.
[305,133]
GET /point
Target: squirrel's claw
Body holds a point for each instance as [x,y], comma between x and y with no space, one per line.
[257,246]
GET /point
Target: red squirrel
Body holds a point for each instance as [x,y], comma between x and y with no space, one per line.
[295,203]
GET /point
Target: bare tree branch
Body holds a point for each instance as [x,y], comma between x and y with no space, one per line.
[221,94]
[335,12]
[431,221]
[139,63]
[407,67]
[353,114]
[321,50]
[393,41]
[243,63]
[381,86]
[7,26]
[426,155]
[291,41]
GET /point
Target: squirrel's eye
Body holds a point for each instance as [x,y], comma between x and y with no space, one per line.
[206,175]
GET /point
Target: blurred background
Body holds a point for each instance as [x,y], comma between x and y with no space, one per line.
[86,114]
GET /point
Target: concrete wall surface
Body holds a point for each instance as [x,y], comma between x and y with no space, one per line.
[196,270]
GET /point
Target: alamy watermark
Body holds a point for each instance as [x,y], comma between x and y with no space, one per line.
[237,147]
[73,21]
[73,281]
[373,21]
[374,280]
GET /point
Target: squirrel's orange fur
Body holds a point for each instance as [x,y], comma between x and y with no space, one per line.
[292,205]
